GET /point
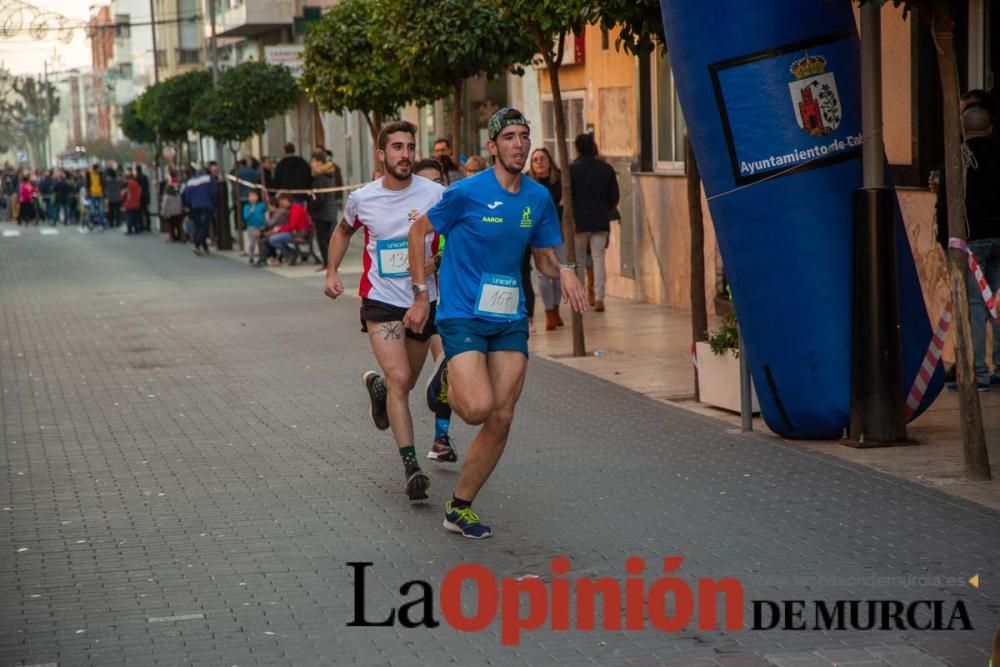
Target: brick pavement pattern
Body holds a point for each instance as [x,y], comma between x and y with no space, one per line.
[187,466]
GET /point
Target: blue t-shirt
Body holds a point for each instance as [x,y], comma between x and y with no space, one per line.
[253,215]
[489,229]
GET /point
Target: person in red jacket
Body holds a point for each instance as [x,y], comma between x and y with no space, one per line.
[298,225]
[132,203]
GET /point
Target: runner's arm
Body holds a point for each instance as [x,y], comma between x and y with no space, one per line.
[547,263]
[417,315]
[572,291]
[419,230]
[340,241]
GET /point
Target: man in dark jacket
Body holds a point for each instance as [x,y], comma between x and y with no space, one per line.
[144,200]
[200,196]
[982,205]
[113,185]
[324,207]
[46,190]
[595,195]
[64,190]
[293,173]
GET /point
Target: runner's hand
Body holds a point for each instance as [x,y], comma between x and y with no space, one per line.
[573,291]
[334,285]
[416,317]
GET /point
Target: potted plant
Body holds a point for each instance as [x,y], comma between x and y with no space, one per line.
[719,367]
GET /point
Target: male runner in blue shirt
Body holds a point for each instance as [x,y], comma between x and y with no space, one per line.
[490,219]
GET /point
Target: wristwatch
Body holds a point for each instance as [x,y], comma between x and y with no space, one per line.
[419,288]
[567,267]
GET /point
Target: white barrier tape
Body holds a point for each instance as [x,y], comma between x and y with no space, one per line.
[314,191]
[931,360]
[936,347]
[989,298]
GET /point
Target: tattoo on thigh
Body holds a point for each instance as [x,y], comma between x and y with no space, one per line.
[391,330]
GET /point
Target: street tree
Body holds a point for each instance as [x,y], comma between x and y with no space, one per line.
[245,98]
[550,23]
[28,105]
[445,42]
[166,107]
[640,32]
[134,126]
[940,15]
[346,69]
[239,106]
[255,92]
[639,24]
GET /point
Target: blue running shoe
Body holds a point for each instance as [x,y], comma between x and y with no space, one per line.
[463,520]
[437,389]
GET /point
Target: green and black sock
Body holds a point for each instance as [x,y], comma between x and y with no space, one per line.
[409,456]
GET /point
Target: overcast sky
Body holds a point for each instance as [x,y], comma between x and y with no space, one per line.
[23,54]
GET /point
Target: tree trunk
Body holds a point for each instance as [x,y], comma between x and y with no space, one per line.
[237,206]
[699,309]
[568,221]
[456,119]
[977,466]
[319,132]
[374,121]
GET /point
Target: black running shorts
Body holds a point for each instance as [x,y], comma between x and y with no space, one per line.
[379,311]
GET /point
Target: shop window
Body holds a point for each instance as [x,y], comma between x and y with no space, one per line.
[572,104]
[667,120]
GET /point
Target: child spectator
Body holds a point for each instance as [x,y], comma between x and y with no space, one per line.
[254,212]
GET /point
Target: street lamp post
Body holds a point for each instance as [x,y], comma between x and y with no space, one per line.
[877,416]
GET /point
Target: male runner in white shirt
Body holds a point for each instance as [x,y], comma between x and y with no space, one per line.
[385,209]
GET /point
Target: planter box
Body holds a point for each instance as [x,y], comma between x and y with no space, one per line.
[719,379]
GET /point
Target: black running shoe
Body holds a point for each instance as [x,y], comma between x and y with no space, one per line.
[442,451]
[375,386]
[417,483]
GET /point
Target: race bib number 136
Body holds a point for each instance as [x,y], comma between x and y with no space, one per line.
[393,258]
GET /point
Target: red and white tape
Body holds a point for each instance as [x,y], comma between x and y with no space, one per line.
[931,360]
[989,298]
[933,356]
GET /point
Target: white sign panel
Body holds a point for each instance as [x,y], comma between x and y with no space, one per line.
[289,55]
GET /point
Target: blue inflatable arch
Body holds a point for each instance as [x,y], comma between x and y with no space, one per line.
[770,93]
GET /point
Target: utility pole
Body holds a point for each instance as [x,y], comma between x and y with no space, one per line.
[157,174]
[47,144]
[224,240]
[156,53]
[877,401]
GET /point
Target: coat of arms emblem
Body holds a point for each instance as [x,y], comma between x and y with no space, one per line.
[814,96]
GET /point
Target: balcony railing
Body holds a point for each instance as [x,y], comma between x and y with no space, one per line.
[253,17]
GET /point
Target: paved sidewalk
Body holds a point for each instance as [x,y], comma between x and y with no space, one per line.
[645,348]
[188,467]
